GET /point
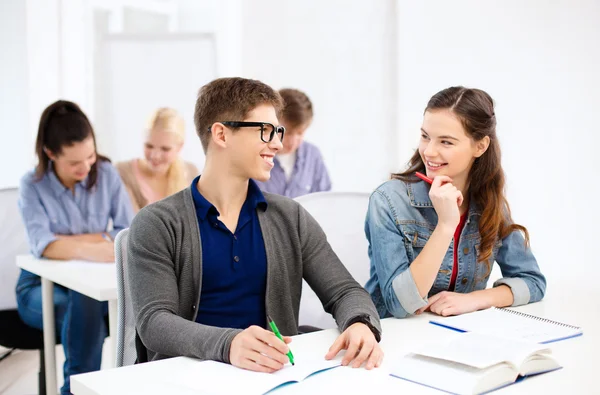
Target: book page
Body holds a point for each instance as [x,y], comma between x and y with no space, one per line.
[539,364]
[482,351]
[502,323]
[210,377]
[304,369]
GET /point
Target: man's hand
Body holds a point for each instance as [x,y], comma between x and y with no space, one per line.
[361,347]
[259,350]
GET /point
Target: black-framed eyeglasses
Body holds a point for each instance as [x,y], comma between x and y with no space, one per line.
[267,130]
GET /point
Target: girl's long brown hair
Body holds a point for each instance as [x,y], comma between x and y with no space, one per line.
[475,109]
[61,125]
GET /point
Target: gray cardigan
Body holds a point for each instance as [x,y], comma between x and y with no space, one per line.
[164,260]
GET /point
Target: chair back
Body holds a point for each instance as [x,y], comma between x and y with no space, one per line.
[13,242]
[126,352]
[342,218]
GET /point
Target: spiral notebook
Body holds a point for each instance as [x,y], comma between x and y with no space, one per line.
[510,323]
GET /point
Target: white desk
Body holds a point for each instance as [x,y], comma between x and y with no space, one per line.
[96,280]
[577,355]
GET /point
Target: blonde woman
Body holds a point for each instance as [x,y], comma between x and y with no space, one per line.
[161,172]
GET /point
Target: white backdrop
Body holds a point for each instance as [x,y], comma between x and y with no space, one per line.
[14,97]
[369,67]
[539,60]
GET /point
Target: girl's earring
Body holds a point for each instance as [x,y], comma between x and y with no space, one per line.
[48,154]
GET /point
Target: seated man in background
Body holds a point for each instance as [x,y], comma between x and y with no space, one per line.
[299,168]
[210,262]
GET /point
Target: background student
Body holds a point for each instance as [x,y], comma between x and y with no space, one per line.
[161,172]
[432,247]
[208,264]
[299,167]
[66,204]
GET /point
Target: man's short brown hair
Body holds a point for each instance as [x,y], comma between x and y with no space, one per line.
[230,99]
[297,108]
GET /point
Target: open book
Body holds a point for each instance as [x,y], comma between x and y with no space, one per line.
[473,363]
[210,377]
[510,323]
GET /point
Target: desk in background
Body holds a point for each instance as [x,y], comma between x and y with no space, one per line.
[96,280]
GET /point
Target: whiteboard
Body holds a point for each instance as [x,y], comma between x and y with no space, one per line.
[137,74]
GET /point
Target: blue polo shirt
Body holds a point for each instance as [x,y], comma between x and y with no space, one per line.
[234,265]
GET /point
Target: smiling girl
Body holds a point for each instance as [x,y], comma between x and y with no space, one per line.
[161,172]
[67,203]
[432,247]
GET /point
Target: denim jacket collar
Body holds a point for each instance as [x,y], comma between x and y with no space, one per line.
[418,193]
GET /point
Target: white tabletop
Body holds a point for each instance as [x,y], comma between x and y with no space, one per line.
[96,280]
[578,357]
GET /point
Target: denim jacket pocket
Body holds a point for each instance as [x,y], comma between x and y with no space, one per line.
[415,239]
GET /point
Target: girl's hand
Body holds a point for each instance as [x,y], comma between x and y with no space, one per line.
[448,303]
[446,199]
[100,252]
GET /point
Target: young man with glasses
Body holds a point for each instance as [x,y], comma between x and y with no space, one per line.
[208,264]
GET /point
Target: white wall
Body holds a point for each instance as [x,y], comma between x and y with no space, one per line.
[224,19]
[43,43]
[14,122]
[369,68]
[341,54]
[539,60]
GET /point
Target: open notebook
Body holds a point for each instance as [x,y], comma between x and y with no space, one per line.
[210,377]
[473,363]
[510,323]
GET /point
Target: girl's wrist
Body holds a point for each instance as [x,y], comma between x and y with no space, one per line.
[484,300]
[445,229]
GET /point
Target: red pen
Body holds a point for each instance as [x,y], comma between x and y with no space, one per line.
[423,177]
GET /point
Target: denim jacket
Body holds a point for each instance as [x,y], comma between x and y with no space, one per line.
[400,221]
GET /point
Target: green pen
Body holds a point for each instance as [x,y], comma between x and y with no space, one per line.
[276,332]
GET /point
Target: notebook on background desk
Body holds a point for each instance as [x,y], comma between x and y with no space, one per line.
[510,323]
